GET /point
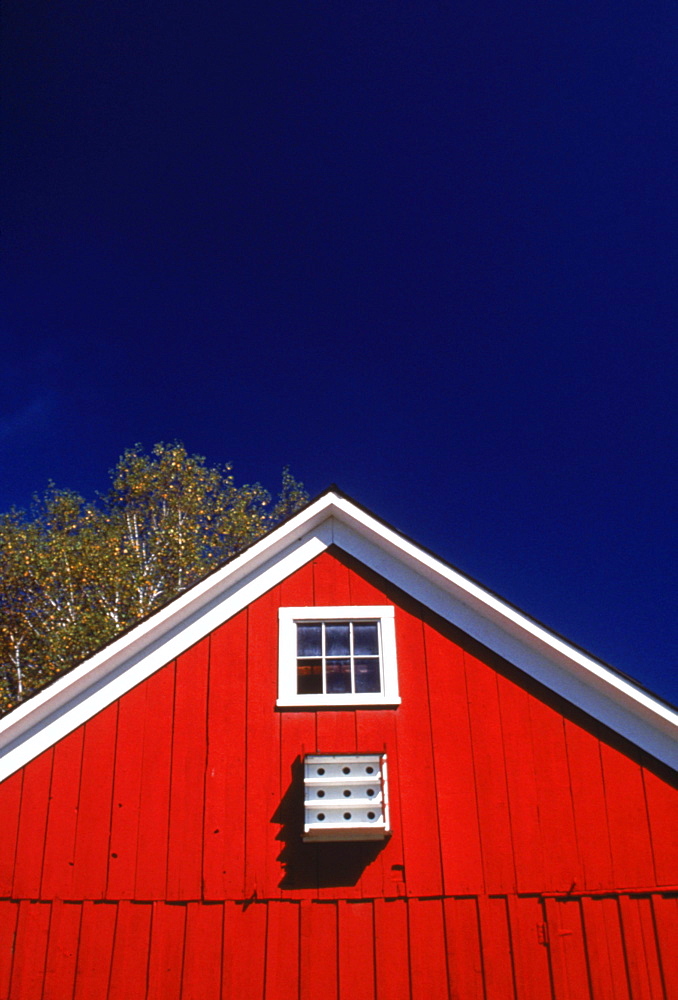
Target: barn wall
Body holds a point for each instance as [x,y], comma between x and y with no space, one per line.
[187,788]
[533,854]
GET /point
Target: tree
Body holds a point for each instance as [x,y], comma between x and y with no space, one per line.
[74,574]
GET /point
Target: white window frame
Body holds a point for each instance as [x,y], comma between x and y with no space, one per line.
[287,656]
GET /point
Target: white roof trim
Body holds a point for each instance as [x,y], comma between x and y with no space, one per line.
[333,519]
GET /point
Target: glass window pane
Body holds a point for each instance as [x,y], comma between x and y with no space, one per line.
[337,639]
[338,676]
[309,676]
[367,677]
[365,638]
[309,640]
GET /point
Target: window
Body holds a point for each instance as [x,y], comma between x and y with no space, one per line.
[337,656]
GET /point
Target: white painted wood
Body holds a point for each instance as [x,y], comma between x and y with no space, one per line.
[333,519]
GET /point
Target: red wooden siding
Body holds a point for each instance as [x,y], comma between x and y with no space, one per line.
[155,852]
[490,948]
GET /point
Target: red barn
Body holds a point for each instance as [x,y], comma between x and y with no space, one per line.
[339,769]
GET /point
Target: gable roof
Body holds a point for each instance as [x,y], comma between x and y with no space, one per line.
[334,519]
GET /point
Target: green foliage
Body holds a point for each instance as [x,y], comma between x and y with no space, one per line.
[75,574]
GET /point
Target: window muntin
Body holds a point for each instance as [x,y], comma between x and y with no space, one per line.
[337,656]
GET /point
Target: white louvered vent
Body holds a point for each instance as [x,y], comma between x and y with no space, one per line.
[345,797]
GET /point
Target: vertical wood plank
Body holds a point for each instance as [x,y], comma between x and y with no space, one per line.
[428,963]
[96,949]
[419,808]
[319,962]
[605,950]
[665,910]
[30,846]
[10,808]
[9,914]
[131,946]
[202,955]
[662,807]
[262,868]
[588,800]
[490,776]
[523,798]
[30,948]
[567,949]
[62,820]
[496,947]
[330,581]
[562,867]
[94,805]
[391,949]
[356,950]
[187,788]
[129,749]
[453,761]
[282,951]
[640,946]
[627,816]
[376,732]
[165,964]
[224,854]
[244,962]
[62,950]
[530,949]
[156,764]
[464,956]
[298,862]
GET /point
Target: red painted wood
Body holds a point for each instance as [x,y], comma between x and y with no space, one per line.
[391,941]
[523,799]
[491,789]
[319,966]
[129,967]
[187,789]
[224,844]
[96,949]
[30,947]
[9,914]
[62,820]
[94,806]
[62,950]
[529,946]
[356,950]
[129,748]
[282,951]
[662,808]
[376,731]
[10,807]
[428,963]
[665,910]
[156,765]
[244,962]
[496,944]
[298,862]
[262,868]
[166,952]
[605,950]
[202,955]
[464,956]
[590,813]
[562,867]
[627,818]
[567,949]
[30,847]
[419,806]
[453,760]
[331,581]
[640,947]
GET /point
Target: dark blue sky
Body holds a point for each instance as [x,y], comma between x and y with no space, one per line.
[425,251]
